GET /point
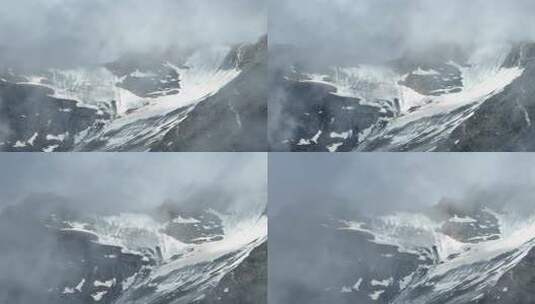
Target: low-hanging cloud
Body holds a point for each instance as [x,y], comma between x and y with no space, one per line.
[132,181]
[381,30]
[70,32]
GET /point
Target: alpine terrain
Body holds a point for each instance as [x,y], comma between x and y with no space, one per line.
[204,98]
[171,254]
[442,98]
[450,253]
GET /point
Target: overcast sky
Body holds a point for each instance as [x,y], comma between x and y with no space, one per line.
[382,29]
[383,182]
[134,180]
[74,31]
[79,31]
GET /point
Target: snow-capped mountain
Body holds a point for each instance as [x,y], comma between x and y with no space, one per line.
[57,254]
[209,98]
[442,99]
[451,253]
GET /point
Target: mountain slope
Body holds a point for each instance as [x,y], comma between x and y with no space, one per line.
[449,254]
[53,253]
[245,284]
[441,99]
[235,119]
[135,102]
[503,122]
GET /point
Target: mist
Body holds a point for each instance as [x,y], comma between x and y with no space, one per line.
[360,31]
[376,183]
[135,182]
[73,32]
[37,260]
[310,260]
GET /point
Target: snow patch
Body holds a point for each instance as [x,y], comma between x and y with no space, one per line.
[107,284]
[316,136]
[385,283]
[59,137]
[77,288]
[357,284]
[345,289]
[343,135]
[97,296]
[421,72]
[334,147]
[32,139]
[50,148]
[181,220]
[457,219]
[376,294]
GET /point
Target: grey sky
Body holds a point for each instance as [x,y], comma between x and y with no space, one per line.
[78,31]
[382,29]
[382,182]
[135,180]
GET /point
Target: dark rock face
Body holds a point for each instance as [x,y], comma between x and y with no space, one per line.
[193,225]
[245,56]
[335,264]
[234,119]
[307,116]
[54,266]
[434,72]
[516,286]
[247,284]
[377,272]
[435,80]
[503,122]
[318,119]
[468,224]
[146,76]
[353,262]
[484,228]
[34,121]
[196,279]
[520,55]
[199,228]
